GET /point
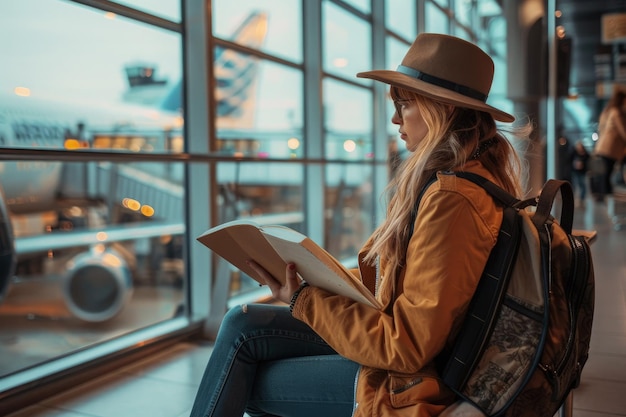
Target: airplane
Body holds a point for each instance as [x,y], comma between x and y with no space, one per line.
[70,201]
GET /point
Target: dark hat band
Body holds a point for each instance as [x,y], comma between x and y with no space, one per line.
[440,82]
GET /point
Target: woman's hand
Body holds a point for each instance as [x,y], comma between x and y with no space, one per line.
[279,291]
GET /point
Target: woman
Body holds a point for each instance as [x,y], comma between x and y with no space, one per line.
[611,144]
[326,355]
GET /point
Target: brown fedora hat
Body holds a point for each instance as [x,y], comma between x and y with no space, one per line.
[447,69]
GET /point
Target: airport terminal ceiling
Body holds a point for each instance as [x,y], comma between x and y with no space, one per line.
[582,20]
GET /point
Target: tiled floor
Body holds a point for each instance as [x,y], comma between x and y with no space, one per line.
[165,385]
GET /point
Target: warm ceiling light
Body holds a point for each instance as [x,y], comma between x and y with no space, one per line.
[22,91]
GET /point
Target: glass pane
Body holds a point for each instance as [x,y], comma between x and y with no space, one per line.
[120,73]
[259,107]
[460,32]
[347,121]
[436,20]
[497,45]
[168,9]
[463,10]
[401,17]
[347,45]
[489,8]
[268,193]
[349,209]
[271,26]
[99,254]
[395,51]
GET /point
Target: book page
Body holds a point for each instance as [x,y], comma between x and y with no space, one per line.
[273,247]
[284,233]
[320,269]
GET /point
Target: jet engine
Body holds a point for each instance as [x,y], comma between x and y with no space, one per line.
[97,285]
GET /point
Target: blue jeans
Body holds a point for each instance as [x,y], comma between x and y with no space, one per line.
[267,363]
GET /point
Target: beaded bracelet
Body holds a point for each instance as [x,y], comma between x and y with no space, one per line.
[295,295]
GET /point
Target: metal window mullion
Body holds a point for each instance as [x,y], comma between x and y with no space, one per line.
[314,174]
[131,13]
[421,16]
[379,115]
[197,69]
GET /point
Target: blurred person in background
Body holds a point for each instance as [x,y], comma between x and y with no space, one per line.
[611,143]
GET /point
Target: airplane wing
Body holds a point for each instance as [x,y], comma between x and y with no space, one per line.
[57,240]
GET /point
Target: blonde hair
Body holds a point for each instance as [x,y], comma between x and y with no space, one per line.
[453,136]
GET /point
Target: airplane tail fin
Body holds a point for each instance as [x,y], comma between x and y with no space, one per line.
[236,77]
[234,96]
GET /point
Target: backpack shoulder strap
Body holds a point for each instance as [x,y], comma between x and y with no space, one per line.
[456,364]
[546,200]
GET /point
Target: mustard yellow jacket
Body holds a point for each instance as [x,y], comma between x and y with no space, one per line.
[455,229]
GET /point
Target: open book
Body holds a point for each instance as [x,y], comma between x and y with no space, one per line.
[273,247]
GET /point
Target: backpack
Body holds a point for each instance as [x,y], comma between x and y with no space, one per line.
[526,335]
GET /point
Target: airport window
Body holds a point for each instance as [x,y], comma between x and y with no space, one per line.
[270,26]
[347,124]
[401,18]
[98,227]
[349,201]
[463,11]
[267,193]
[98,257]
[66,90]
[461,32]
[495,28]
[347,45]
[259,111]
[348,188]
[395,51]
[436,19]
